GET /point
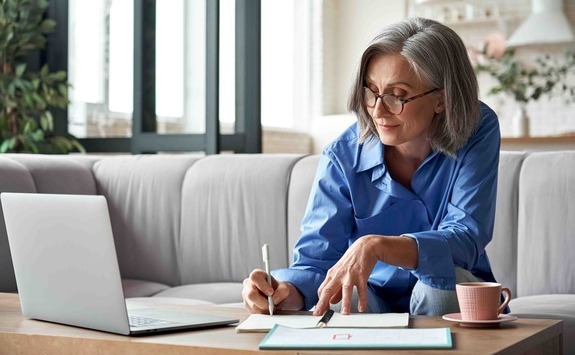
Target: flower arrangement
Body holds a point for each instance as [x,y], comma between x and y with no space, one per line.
[546,77]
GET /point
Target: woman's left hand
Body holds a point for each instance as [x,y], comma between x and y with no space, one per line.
[353,269]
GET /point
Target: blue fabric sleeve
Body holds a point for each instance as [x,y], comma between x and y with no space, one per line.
[467,227]
[326,229]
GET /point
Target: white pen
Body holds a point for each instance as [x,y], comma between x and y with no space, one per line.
[266,256]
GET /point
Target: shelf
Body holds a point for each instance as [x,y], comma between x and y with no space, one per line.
[532,144]
[457,12]
[539,140]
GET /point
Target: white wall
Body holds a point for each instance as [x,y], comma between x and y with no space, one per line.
[348,27]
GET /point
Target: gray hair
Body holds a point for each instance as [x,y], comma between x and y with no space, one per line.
[439,58]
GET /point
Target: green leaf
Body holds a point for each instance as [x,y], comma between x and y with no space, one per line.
[20,69]
[58,76]
[50,121]
[63,90]
[44,124]
[12,89]
[29,144]
[29,126]
[48,26]
[7,145]
[38,135]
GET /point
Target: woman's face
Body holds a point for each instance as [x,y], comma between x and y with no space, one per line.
[392,74]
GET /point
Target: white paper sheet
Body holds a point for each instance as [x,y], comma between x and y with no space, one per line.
[264,322]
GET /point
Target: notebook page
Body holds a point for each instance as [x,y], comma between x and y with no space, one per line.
[264,322]
[369,320]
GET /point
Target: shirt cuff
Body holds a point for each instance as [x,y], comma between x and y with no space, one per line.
[307,282]
[435,266]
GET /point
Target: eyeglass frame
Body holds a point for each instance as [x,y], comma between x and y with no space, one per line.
[403,101]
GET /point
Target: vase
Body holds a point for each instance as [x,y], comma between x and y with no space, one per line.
[521,122]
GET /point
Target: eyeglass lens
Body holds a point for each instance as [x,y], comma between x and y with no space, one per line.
[390,102]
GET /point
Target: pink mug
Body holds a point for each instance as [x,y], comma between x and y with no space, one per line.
[481,300]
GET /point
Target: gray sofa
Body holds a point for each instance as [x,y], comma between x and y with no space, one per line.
[189,229]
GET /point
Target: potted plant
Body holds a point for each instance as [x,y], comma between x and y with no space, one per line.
[524,82]
[26,121]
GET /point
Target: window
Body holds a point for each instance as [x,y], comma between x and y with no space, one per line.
[169,51]
[101,67]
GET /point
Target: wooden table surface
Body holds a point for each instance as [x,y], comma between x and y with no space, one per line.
[19,335]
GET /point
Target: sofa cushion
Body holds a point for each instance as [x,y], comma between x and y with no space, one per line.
[549,307]
[301,180]
[58,174]
[216,292]
[231,206]
[502,250]
[144,200]
[546,224]
[141,288]
[164,301]
[14,177]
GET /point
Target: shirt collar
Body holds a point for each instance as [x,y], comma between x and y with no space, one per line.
[370,155]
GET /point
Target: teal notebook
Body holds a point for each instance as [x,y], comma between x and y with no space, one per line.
[281,337]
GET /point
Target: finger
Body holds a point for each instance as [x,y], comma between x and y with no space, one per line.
[251,308]
[346,296]
[280,293]
[326,281]
[323,303]
[254,298]
[362,297]
[335,298]
[260,281]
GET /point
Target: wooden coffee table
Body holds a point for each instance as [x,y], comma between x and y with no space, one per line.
[19,335]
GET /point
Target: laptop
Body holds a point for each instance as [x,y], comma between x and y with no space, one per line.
[67,271]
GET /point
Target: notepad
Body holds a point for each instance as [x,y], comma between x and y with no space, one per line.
[264,322]
[281,337]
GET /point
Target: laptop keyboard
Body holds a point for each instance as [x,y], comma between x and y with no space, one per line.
[140,322]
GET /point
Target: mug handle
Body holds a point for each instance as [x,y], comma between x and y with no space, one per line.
[506,300]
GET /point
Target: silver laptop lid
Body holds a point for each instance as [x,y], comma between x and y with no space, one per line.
[65,260]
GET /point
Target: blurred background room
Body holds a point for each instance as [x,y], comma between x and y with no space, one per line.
[196,61]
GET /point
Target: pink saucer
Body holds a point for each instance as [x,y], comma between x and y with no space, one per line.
[456,317]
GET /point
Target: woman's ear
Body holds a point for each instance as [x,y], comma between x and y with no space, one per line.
[440,103]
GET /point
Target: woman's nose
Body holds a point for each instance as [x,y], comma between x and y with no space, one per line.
[378,110]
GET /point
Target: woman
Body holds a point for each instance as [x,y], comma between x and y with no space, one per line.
[403,202]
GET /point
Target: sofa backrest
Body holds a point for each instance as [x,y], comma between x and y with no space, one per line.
[546,224]
[301,180]
[174,214]
[502,251]
[231,206]
[144,200]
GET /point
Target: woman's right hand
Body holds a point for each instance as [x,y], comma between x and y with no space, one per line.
[256,291]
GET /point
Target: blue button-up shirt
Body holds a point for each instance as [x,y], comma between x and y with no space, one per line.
[449,211]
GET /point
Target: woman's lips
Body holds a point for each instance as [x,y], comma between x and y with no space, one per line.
[387,127]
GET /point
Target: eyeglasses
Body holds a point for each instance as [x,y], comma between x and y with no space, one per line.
[391,103]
